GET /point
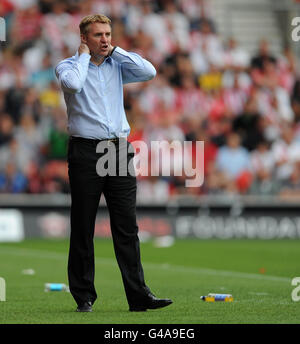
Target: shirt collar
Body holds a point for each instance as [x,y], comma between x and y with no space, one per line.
[107,59]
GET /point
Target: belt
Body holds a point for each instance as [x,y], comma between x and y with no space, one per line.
[95,141]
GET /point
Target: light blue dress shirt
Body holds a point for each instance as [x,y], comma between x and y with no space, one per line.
[94,94]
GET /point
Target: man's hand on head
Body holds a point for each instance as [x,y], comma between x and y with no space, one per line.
[83,48]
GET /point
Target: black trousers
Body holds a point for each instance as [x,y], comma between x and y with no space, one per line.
[120,193]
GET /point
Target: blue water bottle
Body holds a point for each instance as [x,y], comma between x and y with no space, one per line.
[56,287]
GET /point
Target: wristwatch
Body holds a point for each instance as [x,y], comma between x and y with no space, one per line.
[112,51]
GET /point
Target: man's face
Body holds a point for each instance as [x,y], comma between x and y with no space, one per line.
[98,38]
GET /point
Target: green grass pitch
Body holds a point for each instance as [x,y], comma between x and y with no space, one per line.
[258,273]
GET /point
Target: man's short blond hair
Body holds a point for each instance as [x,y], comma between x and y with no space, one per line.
[90,19]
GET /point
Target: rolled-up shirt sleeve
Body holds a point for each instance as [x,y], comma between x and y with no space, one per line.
[134,68]
[72,74]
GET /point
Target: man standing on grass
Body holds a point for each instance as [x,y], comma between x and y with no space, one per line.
[92,82]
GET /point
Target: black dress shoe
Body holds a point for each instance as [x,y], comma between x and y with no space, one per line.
[85,307]
[152,302]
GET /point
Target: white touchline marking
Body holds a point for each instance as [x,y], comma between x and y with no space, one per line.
[258,293]
[166,267]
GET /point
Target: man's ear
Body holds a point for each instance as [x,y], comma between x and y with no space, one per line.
[83,38]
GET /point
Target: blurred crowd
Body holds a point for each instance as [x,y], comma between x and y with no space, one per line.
[246,108]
